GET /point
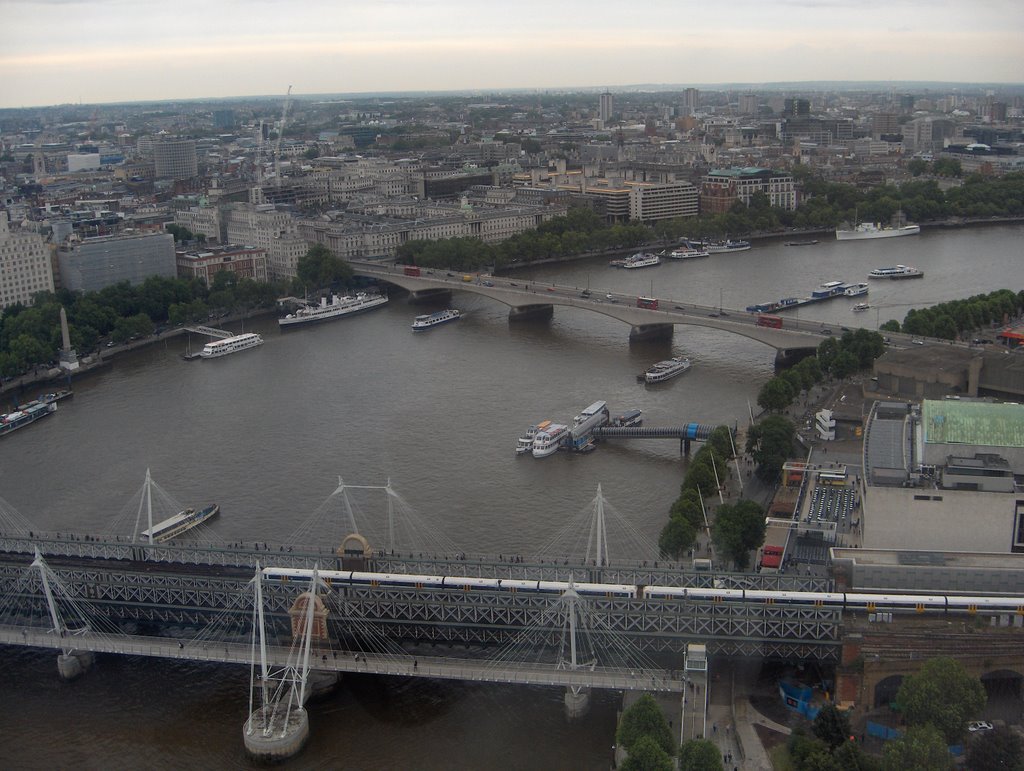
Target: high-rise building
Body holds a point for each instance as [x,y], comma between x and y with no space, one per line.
[691,101]
[606,107]
[797,108]
[24,265]
[748,104]
[175,158]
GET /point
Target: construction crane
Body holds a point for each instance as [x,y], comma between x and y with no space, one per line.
[280,133]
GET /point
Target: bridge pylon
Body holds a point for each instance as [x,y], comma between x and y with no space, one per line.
[70,663]
[279,727]
[577,699]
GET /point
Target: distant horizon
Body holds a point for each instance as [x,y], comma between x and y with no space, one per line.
[114,52]
[810,86]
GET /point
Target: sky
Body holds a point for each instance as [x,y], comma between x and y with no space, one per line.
[92,51]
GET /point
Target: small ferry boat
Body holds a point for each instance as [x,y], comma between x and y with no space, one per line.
[430,320]
[897,272]
[228,345]
[666,370]
[179,523]
[641,260]
[728,246]
[525,443]
[688,253]
[856,290]
[809,242]
[629,419]
[25,414]
[548,441]
[860,307]
[334,307]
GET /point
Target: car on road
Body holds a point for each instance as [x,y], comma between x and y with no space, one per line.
[585,293]
[979,725]
[450,275]
[512,283]
[826,331]
[488,283]
[917,341]
[111,344]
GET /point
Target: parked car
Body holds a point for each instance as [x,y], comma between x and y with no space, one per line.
[917,341]
[979,725]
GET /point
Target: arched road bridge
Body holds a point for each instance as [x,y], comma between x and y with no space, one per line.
[528,299]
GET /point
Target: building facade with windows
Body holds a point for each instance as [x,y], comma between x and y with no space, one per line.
[25,266]
[95,263]
[243,261]
[724,187]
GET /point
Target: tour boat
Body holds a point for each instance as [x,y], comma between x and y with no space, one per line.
[641,260]
[860,307]
[434,319]
[896,273]
[856,290]
[868,230]
[548,441]
[179,523]
[666,370]
[228,345]
[333,308]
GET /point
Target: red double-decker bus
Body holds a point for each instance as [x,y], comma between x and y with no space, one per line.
[769,321]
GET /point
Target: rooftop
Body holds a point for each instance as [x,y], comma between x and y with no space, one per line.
[954,421]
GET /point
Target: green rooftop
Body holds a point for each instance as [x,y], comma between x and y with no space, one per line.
[973,423]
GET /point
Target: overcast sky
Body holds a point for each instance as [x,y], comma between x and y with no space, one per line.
[59,51]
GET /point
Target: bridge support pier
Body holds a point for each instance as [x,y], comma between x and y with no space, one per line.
[684,446]
[72,664]
[429,296]
[648,332]
[271,738]
[577,702]
[532,313]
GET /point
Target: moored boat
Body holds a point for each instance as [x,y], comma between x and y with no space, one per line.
[728,246]
[228,345]
[429,320]
[179,523]
[688,253]
[808,242]
[525,442]
[628,419]
[641,260]
[25,414]
[666,370]
[548,441]
[334,307]
[868,230]
[856,290]
[896,272]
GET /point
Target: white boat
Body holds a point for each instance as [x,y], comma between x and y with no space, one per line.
[856,290]
[525,443]
[548,441]
[641,260]
[860,307]
[666,370]
[179,523]
[868,230]
[433,319]
[728,246]
[333,308]
[629,419]
[25,414]
[896,273]
[688,253]
[229,345]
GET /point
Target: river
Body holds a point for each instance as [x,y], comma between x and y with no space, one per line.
[268,432]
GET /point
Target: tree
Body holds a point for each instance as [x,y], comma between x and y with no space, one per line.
[770,442]
[646,755]
[677,537]
[775,395]
[917,167]
[832,726]
[644,718]
[320,268]
[739,528]
[920,749]
[943,694]
[998,749]
[699,755]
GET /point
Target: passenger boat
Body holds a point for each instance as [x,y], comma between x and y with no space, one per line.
[629,419]
[666,370]
[728,246]
[430,320]
[525,443]
[228,345]
[334,307]
[896,273]
[869,230]
[809,242]
[856,290]
[27,413]
[179,523]
[641,260]
[860,307]
[548,441]
[688,252]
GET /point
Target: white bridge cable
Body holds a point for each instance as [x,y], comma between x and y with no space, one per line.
[12,522]
[577,539]
[131,519]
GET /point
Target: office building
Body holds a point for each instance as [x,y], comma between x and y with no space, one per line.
[95,263]
[175,158]
[606,107]
[722,188]
[243,261]
[24,265]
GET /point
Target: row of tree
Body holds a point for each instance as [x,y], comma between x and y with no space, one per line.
[645,734]
[950,320]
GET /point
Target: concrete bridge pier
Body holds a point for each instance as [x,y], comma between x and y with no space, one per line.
[72,664]
[787,357]
[272,735]
[430,296]
[577,702]
[648,332]
[531,313]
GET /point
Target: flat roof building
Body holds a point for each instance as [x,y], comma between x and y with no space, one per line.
[95,263]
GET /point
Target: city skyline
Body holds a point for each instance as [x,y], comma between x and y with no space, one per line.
[69,51]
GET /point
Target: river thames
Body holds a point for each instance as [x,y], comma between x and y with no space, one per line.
[268,432]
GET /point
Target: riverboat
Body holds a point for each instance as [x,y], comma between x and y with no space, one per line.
[548,441]
[896,273]
[809,242]
[666,370]
[641,260]
[25,414]
[431,320]
[722,247]
[869,230]
[336,307]
[856,290]
[179,523]
[860,307]
[525,443]
[688,253]
[629,419]
[228,345]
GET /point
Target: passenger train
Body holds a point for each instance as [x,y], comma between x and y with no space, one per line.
[869,601]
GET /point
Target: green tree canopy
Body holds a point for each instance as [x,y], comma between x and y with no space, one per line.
[832,726]
[739,528]
[998,749]
[644,718]
[646,755]
[775,395]
[922,748]
[942,694]
[319,268]
[699,755]
[770,442]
